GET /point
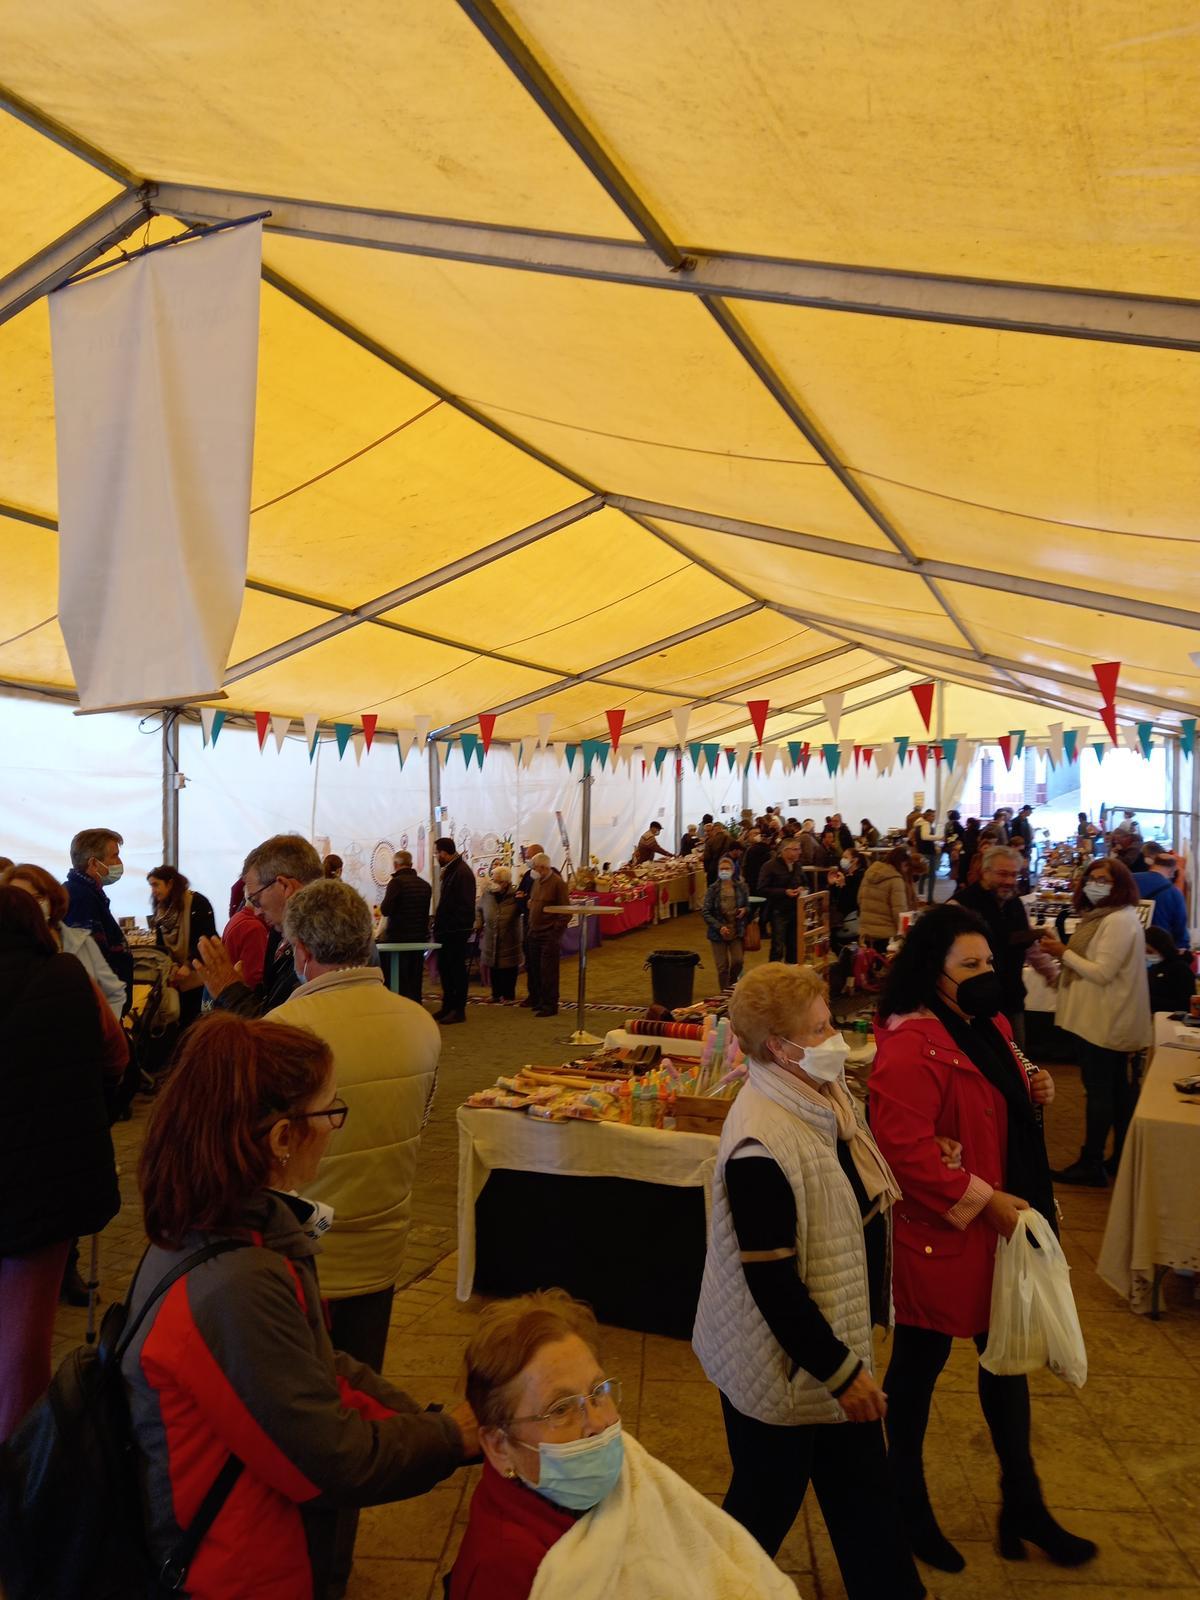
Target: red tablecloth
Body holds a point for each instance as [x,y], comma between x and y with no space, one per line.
[637,913]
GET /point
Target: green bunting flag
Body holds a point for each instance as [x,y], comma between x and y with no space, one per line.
[901,748]
[1017,735]
[949,751]
[1070,740]
[572,750]
[695,751]
[1187,730]
[342,732]
[470,743]
[712,754]
[660,755]
[832,756]
[1145,731]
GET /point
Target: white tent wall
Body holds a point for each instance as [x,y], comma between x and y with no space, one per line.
[718,793]
[60,773]
[885,800]
[624,804]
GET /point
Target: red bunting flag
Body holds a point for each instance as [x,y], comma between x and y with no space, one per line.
[370,722]
[1005,743]
[923,753]
[487,727]
[758,715]
[857,756]
[937,753]
[616,721]
[922,693]
[262,721]
[758,761]
[1107,673]
[868,753]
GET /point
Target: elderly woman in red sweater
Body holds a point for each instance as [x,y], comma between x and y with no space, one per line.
[945,1070]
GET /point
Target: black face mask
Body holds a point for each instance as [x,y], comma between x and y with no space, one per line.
[981,996]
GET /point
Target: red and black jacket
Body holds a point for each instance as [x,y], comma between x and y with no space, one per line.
[235,1359]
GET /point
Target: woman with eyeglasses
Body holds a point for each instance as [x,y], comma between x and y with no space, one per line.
[570,1506]
[234,1388]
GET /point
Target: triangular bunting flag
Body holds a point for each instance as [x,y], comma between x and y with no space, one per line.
[311,726]
[370,722]
[1144,732]
[280,727]
[923,756]
[758,761]
[359,742]
[833,758]
[758,710]
[1005,743]
[487,726]
[1107,673]
[399,750]
[1129,737]
[342,732]
[937,755]
[885,757]
[682,716]
[262,721]
[572,750]
[868,752]
[794,749]
[545,722]
[712,754]
[410,739]
[422,726]
[1055,730]
[212,720]
[1187,735]
[922,693]
[833,711]
[730,756]
[857,756]
[901,748]
[696,751]
[470,743]
[743,754]
[1108,715]
[660,755]
[846,751]
[950,750]
[1070,739]
[616,721]
[805,756]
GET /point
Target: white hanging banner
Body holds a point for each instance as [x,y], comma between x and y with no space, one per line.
[833,711]
[682,717]
[545,722]
[280,728]
[155,372]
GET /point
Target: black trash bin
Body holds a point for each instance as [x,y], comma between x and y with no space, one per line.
[672,977]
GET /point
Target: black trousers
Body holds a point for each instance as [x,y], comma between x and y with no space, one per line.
[1110,1098]
[359,1326]
[918,1356]
[783,931]
[504,983]
[452,964]
[543,954]
[847,1465]
[410,973]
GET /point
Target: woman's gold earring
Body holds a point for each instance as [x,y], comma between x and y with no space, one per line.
[511,1473]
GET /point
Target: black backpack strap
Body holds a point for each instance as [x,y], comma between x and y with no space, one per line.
[218,1247]
[173,1573]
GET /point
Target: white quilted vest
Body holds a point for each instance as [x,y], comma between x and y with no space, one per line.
[736,1348]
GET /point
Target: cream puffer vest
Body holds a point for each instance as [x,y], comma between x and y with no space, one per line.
[736,1348]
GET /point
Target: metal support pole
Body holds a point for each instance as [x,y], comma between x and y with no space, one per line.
[746,784]
[435,805]
[170,787]
[1194,846]
[939,734]
[585,827]
[678,792]
[1175,760]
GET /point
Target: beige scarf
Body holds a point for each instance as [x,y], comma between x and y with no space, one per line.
[785,1089]
[1085,932]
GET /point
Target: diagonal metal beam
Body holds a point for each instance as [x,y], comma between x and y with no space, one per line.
[41,122]
[864,632]
[736,689]
[947,571]
[1043,309]
[605,667]
[538,84]
[372,609]
[76,248]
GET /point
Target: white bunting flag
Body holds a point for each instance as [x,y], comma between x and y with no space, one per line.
[311,722]
[359,742]
[422,726]
[529,748]
[833,710]
[682,717]
[885,757]
[1130,738]
[545,723]
[1055,730]
[846,750]
[207,715]
[742,754]
[280,727]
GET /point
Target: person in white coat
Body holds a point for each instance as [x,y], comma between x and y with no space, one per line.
[798,1269]
[1103,1000]
[385,1055]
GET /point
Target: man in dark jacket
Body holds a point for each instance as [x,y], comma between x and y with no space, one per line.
[453,924]
[273,872]
[96,865]
[406,908]
[994,898]
[1157,883]
[781,882]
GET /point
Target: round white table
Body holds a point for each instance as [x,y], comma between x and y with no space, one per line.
[581,1035]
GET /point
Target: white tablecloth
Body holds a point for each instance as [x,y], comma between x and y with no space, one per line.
[488,1138]
[1154,1220]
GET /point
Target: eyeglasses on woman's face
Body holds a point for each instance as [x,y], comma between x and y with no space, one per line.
[573,1408]
[337,1114]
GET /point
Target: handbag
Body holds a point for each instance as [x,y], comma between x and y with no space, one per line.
[1033,1321]
[752,936]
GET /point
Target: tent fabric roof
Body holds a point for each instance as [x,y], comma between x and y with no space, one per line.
[608,364]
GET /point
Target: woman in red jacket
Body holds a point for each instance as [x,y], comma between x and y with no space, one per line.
[945,1069]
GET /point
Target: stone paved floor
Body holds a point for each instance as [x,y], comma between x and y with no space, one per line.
[1120,1459]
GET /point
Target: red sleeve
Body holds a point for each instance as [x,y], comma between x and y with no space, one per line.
[114,1047]
[247,943]
[906,1092]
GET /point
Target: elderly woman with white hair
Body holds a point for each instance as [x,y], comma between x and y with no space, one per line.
[500,947]
[798,1270]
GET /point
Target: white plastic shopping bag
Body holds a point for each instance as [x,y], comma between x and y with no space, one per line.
[1034,1322]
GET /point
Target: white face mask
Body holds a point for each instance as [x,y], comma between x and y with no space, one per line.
[825,1062]
[846,863]
[1096,892]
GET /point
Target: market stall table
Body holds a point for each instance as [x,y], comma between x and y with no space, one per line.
[1154,1218]
[616,1215]
[583,912]
[393,952]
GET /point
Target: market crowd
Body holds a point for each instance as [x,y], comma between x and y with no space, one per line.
[276,1180]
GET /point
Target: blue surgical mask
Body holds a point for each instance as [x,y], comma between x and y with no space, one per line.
[725,874]
[114,872]
[578,1475]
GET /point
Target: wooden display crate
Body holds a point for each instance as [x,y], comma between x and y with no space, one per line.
[696,1113]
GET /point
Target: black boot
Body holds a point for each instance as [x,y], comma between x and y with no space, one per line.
[929,1543]
[74,1291]
[1086,1173]
[1024,1519]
